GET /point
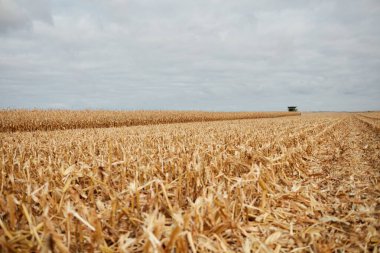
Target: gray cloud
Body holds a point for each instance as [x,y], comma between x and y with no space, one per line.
[211,55]
[20,14]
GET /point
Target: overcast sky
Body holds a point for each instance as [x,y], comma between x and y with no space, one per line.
[240,55]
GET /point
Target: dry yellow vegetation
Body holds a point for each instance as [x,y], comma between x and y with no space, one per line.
[31,120]
[300,184]
[371,119]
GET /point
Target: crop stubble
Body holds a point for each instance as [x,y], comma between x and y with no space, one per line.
[307,183]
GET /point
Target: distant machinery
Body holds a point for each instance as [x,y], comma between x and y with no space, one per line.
[292,108]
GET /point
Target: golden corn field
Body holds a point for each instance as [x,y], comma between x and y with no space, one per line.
[31,120]
[307,183]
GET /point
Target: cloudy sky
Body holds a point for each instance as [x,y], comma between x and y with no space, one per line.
[241,55]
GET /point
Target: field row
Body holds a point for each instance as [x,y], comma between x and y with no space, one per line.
[270,185]
[32,120]
[372,121]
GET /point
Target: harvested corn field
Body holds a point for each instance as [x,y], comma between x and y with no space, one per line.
[300,184]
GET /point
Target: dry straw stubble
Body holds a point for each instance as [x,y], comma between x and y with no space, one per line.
[305,183]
